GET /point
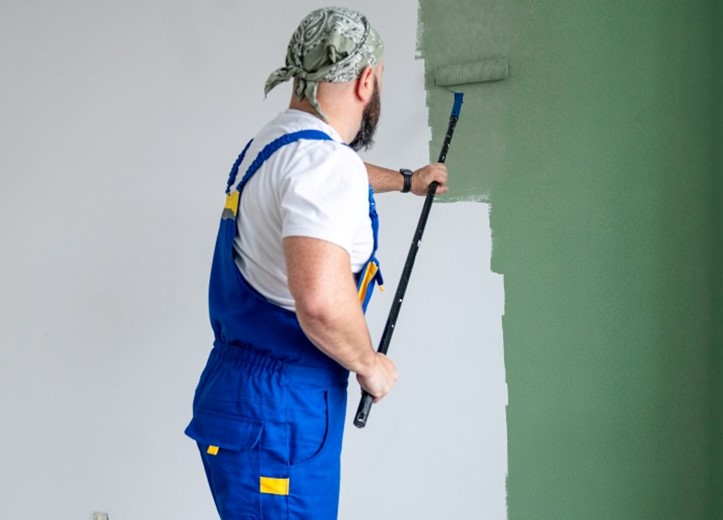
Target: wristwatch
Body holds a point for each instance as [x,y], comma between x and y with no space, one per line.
[407,174]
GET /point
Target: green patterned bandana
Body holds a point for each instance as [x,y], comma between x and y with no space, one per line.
[333,44]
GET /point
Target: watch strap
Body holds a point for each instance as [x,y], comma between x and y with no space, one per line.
[407,174]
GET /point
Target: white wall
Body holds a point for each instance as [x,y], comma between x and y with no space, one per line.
[118,124]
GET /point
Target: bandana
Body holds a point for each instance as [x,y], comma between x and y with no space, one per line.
[333,44]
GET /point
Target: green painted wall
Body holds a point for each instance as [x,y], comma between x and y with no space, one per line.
[601,158]
[717,194]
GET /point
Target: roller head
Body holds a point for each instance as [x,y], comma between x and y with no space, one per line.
[472,72]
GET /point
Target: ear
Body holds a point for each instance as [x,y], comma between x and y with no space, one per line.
[364,87]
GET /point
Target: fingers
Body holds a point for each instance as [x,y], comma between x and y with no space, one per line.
[423,177]
[381,379]
[441,189]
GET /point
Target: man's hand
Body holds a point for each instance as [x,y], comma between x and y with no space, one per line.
[423,177]
[379,380]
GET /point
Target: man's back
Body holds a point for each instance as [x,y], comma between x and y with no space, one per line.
[310,188]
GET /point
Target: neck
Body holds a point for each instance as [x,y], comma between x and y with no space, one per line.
[343,116]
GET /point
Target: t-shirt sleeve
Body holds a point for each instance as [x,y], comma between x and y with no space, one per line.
[325,195]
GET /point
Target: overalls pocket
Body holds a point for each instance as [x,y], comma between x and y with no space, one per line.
[229,449]
[309,430]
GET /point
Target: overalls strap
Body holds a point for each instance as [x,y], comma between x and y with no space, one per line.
[370,275]
[267,152]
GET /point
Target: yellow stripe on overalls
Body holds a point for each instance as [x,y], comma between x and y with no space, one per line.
[368,275]
[274,486]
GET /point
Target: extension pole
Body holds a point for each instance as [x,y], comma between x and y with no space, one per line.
[365,405]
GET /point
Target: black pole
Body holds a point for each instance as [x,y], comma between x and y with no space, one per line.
[365,405]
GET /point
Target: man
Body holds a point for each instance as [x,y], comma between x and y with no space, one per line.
[293,268]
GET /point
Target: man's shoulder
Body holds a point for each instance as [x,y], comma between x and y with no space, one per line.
[313,155]
[293,121]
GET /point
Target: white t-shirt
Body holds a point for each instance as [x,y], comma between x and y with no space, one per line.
[309,188]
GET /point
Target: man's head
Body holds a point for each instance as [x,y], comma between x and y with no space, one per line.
[331,45]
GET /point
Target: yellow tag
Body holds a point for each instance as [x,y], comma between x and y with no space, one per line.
[212,450]
[274,486]
[367,277]
[232,202]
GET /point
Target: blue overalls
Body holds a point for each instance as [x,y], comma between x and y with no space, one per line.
[269,409]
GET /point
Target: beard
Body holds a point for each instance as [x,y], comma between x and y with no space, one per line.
[364,138]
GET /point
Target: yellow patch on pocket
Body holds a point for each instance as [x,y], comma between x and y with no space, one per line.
[274,486]
[212,450]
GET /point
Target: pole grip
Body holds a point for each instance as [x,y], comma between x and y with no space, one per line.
[362,411]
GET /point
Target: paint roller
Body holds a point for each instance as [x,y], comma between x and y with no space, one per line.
[448,75]
[484,71]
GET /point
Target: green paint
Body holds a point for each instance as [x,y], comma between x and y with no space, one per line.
[601,157]
[717,198]
[460,32]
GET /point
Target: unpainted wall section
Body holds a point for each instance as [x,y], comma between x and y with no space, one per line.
[119,123]
[598,158]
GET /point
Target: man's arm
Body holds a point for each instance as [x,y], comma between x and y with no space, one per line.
[385,180]
[329,311]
